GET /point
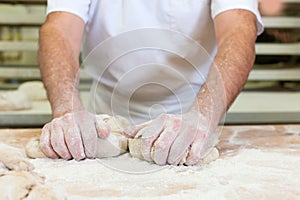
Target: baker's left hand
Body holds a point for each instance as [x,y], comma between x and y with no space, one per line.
[175,139]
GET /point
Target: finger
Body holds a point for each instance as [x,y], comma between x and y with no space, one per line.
[194,154]
[150,134]
[58,140]
[102,128]
[89,134]
[161,147]
[182,142]
[73,138]
[45,143]
[132,131]
[89,137]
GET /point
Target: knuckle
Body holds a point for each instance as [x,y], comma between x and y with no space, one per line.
[176,125]
[201,135]
[68,118]
[55,120]
[43,141]
[84,114]
[160,147]
[190,132]
[147,139]
[56,123]
[46,127]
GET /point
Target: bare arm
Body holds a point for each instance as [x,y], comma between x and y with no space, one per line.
[236,35]
[60,41]
[73,132]
[171,139]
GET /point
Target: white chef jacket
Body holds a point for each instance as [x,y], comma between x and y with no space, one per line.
[148,57]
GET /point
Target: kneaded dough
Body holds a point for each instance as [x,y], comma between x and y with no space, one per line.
[116,143]
[19,181]
[135,149]
[14,100]
[32,148]
[14,159]
[26,185]
[22,98]
[17,184]
[34,90]
[42,192]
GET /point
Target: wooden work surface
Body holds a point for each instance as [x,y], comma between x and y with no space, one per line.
[232,138]
[256,162]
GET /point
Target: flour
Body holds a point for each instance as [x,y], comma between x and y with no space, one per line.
[251,174]
[115,144]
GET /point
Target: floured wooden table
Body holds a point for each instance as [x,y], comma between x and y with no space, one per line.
[256,162]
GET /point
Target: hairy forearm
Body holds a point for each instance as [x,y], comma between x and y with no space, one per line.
[227,75]
[59,69]
[233,64]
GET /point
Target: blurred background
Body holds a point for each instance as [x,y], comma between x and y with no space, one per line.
[271,95]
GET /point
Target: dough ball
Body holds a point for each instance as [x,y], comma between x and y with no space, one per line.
[34,90]
[14,159]
[14,100]
[135,148]
[116,143]
[32,149]
[16,184]
[117,123]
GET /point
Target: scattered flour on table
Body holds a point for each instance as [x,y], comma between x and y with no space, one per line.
[251,174]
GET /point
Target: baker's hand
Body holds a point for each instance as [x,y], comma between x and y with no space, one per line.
[73,135]
[175,139]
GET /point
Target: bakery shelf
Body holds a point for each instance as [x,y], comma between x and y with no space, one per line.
[14,19]
[281,22]
[277,49]
[275,74]
[29,72]
[32,2]
[18,45]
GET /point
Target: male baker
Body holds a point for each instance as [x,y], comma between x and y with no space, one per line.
[178,63]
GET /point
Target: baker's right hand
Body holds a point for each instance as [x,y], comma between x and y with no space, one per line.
[74,135]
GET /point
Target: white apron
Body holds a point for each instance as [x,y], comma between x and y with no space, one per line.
[148,56]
